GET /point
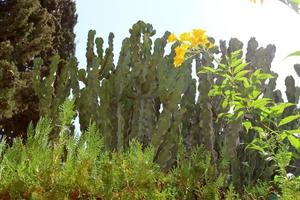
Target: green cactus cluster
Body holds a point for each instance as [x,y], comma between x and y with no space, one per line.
[142,96]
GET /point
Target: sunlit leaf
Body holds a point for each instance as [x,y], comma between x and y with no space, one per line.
[254,94]
[236,54]
[258,129]
[296,53]
[288,119]
[255,147]
[240,66]
[240,113]
[226,76]
[241,73]
[207,70]
[245,81]
[264,76]
[295,1]
[215,91]
[295,142]
[247,125]
[228,92]
[224,104]
[257,72]
[259,103]
[283,135]
[223,66]
[220,115]
[278,109]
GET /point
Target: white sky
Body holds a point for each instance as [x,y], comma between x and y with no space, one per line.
[270,23]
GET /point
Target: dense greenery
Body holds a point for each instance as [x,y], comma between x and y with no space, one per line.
[80,168]
[144,98]
[149,130]
[277,143]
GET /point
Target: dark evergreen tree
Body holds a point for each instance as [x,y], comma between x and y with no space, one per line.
[30,29]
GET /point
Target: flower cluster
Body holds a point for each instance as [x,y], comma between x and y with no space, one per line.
[189,40]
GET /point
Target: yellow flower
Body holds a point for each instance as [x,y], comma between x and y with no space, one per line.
[199,37]
[180,53]
[185,37]
[178,61]
[172,38]
[198,32]
[189,40]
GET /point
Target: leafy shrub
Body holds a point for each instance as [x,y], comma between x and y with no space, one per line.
[68,167]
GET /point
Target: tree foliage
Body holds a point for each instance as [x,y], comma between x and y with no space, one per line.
[29,29]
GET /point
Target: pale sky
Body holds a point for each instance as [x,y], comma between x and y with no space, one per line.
[270,23]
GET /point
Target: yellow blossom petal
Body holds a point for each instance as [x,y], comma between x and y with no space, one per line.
[184,46]
[199,37]
[178,61]
[172,38]
[198,32]
[180,53]
[185,37]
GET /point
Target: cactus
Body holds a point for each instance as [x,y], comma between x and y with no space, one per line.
[125,100]
[53,89]
[144,83]
[206,126]
[172,83]
[144,97]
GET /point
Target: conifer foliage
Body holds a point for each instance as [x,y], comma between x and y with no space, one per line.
[30,29]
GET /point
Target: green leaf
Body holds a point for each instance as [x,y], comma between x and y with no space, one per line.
[288,119]
[254,94]
[223,66]
[255,147]
[295,142]
[235,62]
[258,129]
[224,104]
[264,114]
[278,109]
[220,115]
[239,67]
[247,124]
[295,1]
[228,93]
[296,53]
[259,103]
[245,81]
[294,131]
[242,73]
[240,113]
[215,91]
[207,70]
[256,72]
[283,135]
[236,54]
[237,105]
[226,76]
[264,76]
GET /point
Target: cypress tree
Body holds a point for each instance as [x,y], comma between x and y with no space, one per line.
[29,29]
